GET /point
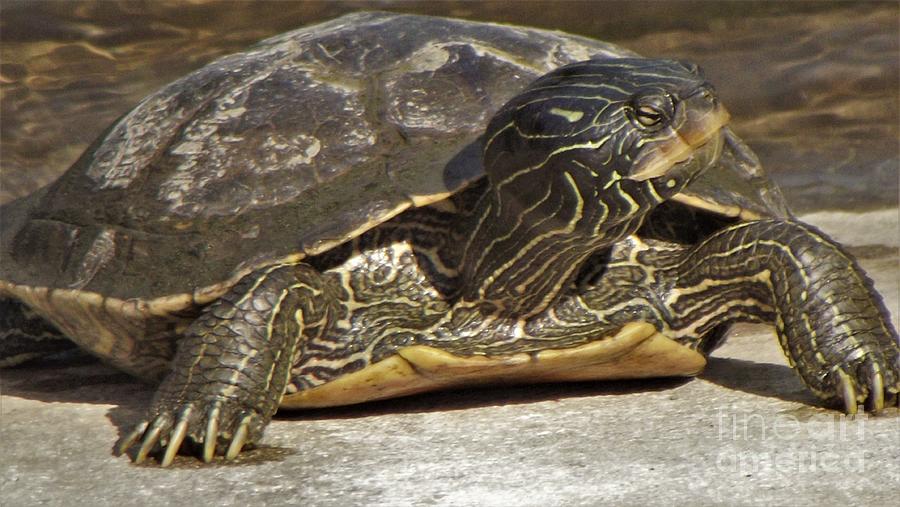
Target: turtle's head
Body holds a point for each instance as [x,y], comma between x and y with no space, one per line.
[577,160]
[607,128]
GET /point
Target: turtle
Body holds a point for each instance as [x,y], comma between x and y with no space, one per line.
[387,204]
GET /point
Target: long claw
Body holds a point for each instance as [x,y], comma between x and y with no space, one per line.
[177,438]
[131,438]
[848,393]
[876,390]
[240,436]
[212,435]
[151,437]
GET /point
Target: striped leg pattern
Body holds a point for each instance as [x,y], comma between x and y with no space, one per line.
[233,364]
[831,323]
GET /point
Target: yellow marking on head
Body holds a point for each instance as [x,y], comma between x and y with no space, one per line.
[593,145]
[570,116]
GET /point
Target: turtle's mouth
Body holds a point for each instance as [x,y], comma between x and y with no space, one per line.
[735,186]
[699,136]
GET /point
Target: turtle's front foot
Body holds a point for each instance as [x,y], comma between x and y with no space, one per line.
[219,425]
[832,323]
[870,375]
[231,368]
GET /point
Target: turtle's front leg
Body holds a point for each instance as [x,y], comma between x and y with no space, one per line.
[233,364]
[831,323]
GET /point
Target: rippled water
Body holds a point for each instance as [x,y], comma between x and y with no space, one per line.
[813,87]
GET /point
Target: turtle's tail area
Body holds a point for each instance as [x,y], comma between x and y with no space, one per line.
[25,335]
[832,324]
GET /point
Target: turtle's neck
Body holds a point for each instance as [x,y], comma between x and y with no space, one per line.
[526,241]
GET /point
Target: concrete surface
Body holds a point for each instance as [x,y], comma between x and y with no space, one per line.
[745,433]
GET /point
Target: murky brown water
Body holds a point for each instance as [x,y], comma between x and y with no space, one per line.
[813,87]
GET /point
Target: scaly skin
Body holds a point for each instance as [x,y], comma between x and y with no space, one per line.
[232,365]
[228,378]
[832,326]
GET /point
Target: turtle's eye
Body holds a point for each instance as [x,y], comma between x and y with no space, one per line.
[651,112]
[647,116]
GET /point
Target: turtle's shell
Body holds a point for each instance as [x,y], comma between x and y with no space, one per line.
[287,149]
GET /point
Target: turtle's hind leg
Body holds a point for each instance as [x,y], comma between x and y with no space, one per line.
[233,364]
[25,335]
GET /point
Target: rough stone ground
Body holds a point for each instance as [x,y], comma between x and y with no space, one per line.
[745,433]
